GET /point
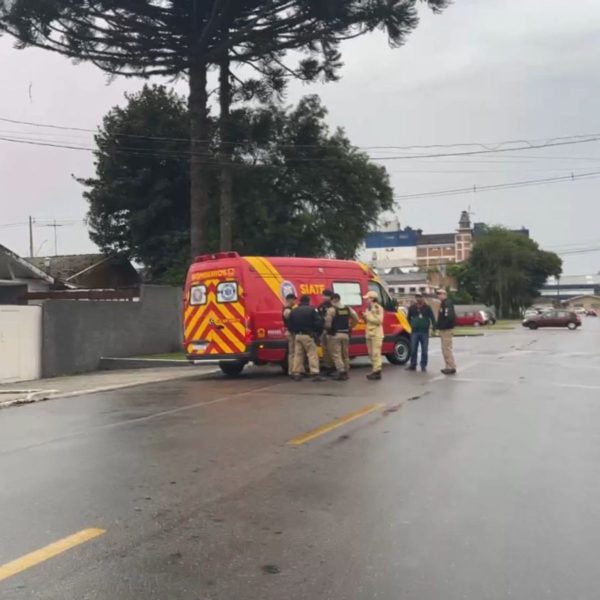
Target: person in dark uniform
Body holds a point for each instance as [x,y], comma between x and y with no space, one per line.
[290,304]
[445,324]
[327,360]
[339,321]
[306,324]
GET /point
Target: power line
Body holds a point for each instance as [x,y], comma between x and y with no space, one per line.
[580,251]
[186,155]
[43,222]
[486,148]
[498,186]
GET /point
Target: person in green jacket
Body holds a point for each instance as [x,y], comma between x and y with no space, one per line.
[421,319]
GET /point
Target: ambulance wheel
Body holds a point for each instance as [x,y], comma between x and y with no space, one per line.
[401,352]
[232,368]
[284,365]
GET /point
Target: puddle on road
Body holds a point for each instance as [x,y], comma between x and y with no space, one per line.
[270,569]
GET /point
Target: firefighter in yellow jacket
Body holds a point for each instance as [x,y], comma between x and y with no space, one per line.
[373,317]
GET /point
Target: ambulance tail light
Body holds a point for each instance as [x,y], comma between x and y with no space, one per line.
[249,337]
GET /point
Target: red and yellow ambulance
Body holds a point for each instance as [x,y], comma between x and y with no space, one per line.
[233,307]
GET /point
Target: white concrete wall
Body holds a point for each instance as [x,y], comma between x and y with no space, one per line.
[20,343]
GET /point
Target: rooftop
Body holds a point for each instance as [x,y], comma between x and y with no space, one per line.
[12,267]
[580,280]
[66,266]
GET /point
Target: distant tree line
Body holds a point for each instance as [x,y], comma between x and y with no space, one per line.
[300,189]
[506,269]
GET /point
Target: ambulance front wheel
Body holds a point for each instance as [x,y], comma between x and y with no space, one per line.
[232,368]
[401,352]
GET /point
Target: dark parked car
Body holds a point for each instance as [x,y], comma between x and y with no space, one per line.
[592,313]
[553,318]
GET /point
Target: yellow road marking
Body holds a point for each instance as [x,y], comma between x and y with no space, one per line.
[323,429]
[39,556]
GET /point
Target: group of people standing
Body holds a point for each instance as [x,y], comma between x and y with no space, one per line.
[329,326]
[422,320]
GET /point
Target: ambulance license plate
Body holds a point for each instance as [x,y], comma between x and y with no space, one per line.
[200,347]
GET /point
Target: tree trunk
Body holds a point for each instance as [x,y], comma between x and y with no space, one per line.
[199,149]
[225,154]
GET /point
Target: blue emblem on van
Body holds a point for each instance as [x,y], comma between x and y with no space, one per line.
[287,287]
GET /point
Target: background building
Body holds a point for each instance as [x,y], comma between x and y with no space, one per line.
[391,246]
[570,286]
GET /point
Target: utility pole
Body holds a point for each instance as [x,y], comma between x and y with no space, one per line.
[55,225]
[31,222]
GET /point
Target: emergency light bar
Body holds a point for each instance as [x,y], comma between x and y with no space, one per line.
[215,256]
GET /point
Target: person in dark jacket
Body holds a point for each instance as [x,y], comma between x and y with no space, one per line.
[421,319]
[445,325]
[306,324]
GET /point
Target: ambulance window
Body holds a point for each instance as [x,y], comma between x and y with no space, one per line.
[197,295]
[349,292]
[382,296]
[375,287]
[227,291]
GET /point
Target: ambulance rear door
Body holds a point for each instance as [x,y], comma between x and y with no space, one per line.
[215,317]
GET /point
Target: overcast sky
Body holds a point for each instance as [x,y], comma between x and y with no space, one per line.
[483,71]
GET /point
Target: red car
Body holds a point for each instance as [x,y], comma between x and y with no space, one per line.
[471,319]
[553,318]
[591,313]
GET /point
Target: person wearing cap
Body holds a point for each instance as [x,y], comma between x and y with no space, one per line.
[290,304]
[326,359]
[421,319]
[306,324]
[445,325]
[373,317]
[339,321]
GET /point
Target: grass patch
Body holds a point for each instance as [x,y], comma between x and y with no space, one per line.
[469,331]
[505,324]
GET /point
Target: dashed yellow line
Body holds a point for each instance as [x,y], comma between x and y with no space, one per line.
[43,554]
[327,427]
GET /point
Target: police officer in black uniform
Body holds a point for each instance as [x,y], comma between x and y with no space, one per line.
[306,324]
[325,305]
[339,321]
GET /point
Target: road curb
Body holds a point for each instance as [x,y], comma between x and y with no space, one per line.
[34,396]
[113,364]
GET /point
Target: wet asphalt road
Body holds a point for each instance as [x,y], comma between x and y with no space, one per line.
[482,487]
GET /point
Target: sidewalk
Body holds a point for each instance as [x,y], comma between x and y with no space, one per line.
[89,383]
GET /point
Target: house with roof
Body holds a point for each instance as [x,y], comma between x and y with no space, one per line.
[18,276]
[89,271]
